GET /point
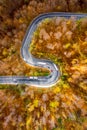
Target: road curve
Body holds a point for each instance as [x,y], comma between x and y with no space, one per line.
[40,81]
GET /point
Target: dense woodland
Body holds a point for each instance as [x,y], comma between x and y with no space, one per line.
[62,107]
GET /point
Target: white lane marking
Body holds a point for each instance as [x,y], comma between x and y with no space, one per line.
[56,67]
[42,63]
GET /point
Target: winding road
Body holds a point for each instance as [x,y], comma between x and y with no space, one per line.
[40,81]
